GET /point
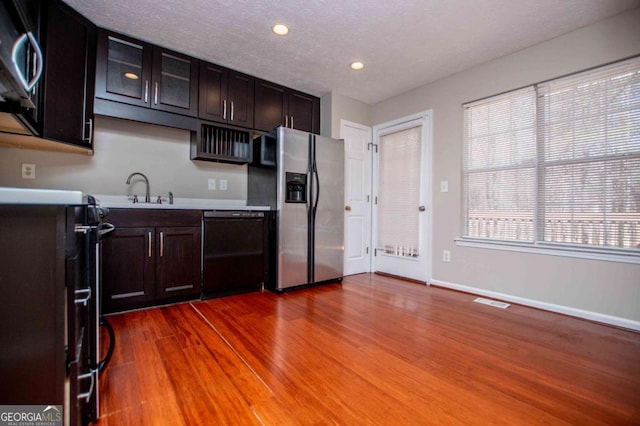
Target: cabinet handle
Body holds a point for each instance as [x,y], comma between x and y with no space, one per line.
[84,295]
[286,121]
[146,91]
[224,109]
[231,110]
[89,139]
[149,243]
[87,395]
[161,243]
[292,121]
[155,96]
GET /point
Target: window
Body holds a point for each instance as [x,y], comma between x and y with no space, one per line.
[557,163]
[399,192]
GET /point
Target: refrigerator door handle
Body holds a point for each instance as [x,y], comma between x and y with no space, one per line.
[316,181]
[309,191]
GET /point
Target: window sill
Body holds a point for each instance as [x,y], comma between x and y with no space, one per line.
[552,250]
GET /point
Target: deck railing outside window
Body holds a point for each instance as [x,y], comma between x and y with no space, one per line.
[618,230]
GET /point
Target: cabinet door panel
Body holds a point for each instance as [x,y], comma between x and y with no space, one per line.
[213,92]
[123,70]
[241,93]
[270,105]
[128,268]
[304,112]
[69,75]
[178,261]
[174,83]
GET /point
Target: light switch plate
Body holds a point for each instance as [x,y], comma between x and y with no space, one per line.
[212,184]
[28,171]
[223,184]
[444,186]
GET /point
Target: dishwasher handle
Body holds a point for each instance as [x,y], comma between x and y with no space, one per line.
[232,214]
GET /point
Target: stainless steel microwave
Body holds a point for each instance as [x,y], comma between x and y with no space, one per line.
[21,60]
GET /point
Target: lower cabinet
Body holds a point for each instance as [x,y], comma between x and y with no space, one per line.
[178,262]
[151,257]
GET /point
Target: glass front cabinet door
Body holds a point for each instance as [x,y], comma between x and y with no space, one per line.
[138,73]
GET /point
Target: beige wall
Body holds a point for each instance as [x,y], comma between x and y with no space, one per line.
[122,147]
[335,107]
[325,114]
[605,288]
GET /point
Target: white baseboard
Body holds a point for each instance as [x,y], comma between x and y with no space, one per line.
[566,310]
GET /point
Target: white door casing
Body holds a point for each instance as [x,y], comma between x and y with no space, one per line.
[399,263]
[357,194]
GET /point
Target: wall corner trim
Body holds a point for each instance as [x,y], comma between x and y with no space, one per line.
[561,309]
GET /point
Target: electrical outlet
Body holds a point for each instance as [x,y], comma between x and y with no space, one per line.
[28,171]
[223,184]
[444,186]
[212,184]
[446,256]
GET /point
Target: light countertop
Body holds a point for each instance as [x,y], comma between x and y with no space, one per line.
[122,201]
[10,195]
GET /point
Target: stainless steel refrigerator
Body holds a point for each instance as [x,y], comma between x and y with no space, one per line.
[301,177]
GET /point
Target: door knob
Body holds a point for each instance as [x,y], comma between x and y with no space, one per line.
[347,208]
[422,208]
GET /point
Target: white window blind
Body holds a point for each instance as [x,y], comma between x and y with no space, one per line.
[399,192]
[578,183]
[589,133]
[499,166]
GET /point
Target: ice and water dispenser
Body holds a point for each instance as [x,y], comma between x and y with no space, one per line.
[296,188]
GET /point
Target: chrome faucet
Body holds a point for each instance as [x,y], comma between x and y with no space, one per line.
[147,197]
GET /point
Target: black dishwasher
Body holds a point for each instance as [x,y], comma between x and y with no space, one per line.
[233,255]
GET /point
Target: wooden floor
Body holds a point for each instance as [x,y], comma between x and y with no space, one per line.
[373,350]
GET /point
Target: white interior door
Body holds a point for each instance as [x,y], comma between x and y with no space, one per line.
[402,203]
[357,196]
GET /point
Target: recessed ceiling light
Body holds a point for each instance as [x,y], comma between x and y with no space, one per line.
[356,66]
[280,29]
[131,75]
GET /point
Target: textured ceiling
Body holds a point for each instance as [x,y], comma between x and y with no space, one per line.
[403,43]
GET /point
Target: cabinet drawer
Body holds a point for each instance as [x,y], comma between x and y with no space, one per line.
[154,217]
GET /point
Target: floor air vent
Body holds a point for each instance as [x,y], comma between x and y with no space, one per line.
[489,302]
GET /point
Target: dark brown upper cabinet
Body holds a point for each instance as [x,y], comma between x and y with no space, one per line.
[69,73]
[304,112]
[276,105]
[226,96]
[137,73]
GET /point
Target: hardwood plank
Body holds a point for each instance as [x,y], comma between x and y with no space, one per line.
[191,398]
[229,365]
[118,392]
[227,400]
[150,371]
[373,350]
[162,411]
